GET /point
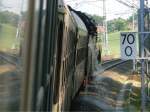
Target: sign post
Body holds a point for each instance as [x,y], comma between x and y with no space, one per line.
[128,45]
[128,49]
[143,97]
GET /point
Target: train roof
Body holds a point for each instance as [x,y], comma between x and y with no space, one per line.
[89,23]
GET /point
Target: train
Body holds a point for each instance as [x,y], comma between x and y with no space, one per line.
[53,56]
[60,57]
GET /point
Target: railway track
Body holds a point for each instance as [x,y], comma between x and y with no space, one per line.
[8,63]
[10,81]
[9,58]
[108,65]
[111,89]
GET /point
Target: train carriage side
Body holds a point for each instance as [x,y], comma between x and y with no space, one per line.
[65,56]
[92,50]
[81,53]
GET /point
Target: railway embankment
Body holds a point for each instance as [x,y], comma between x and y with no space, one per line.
[114,89]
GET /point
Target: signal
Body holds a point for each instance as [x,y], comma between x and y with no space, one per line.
[128,45]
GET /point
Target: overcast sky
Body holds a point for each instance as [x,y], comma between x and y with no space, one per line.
[14,5]
[114,8]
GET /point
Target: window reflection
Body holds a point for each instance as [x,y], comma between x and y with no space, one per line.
[12,32]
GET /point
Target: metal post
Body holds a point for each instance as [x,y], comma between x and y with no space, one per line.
[105,26]
[142,55]
[134,65]
[133,19]
[133,26]
[104,33]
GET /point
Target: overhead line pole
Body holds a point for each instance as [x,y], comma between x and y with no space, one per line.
[143,97]
[133,19]
[132,6]
[105,26]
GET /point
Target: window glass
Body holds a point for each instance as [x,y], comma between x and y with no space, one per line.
[13,22]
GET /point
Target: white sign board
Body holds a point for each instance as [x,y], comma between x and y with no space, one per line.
[128,45]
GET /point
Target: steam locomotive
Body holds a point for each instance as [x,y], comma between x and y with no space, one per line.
[73,54]
[60,55]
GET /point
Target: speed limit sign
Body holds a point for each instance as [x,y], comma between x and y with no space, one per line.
[128,45]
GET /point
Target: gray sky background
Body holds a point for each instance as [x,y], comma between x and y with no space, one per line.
[14,5]
[114,8]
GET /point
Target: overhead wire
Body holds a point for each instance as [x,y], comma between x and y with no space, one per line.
[118,13]
[132,3]
[88,2]
[126,4]
[84,1]
[94,5]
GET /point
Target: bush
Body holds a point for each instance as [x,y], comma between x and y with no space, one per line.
[7,17]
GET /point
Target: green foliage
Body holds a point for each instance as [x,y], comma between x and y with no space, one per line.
[1,4]
[111,26]
[117,25]
[98,19]
[7,36]
[121,24]
[130,19]
[7,17]
[114,43]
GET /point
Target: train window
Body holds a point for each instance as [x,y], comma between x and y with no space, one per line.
[59,55]
[13,22]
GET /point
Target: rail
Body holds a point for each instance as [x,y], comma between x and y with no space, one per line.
[108,65]
[9,58]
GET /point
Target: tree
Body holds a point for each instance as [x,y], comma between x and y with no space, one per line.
[121,24]
[1,5]
[130,19]
[98,19]
[117,25]
[111,26]
[7,17]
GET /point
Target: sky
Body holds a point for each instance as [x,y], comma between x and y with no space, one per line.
[14,5]
[114,9]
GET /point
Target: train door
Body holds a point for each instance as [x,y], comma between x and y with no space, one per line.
[58,56]
[58,61]
[39,56]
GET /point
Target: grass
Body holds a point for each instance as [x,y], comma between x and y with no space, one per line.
[114,43]
[7,37]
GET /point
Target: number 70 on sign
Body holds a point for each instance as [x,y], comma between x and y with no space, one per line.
[128,45]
